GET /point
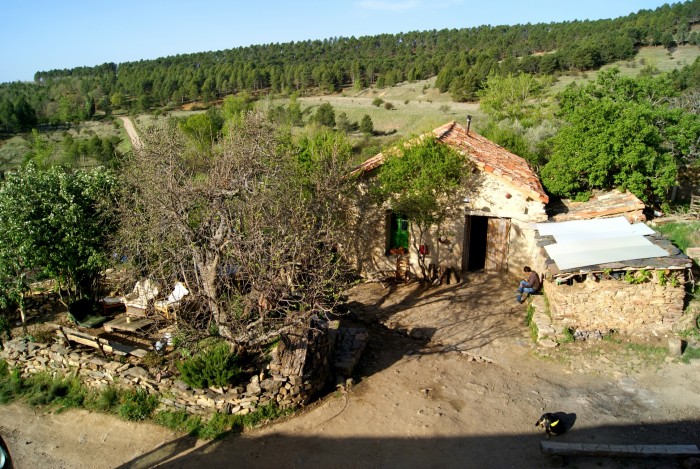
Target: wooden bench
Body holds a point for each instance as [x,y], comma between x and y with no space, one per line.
[103,345]
[558,451]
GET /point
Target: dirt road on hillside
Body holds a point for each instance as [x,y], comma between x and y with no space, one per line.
[131,132]
[450,379]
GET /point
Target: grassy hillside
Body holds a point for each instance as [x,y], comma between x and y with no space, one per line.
[418,107]
[657,57]
[12,151]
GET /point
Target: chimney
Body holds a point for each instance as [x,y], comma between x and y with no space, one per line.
[469,123]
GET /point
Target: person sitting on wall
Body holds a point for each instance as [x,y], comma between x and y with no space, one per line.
[531,285]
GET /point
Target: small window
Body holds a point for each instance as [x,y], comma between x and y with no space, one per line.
[397,241]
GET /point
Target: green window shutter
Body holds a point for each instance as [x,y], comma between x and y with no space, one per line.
[399,231]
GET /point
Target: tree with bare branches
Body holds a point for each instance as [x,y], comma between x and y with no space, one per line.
[251,227]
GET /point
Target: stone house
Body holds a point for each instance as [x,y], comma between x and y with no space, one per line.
[489,228]
[497,227]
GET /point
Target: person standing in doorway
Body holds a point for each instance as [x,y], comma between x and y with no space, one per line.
[526,287]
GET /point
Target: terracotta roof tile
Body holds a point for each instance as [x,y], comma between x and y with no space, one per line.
[602,204]
[485,154]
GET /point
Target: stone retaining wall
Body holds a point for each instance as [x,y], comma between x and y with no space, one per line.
[599,304]
[96,371]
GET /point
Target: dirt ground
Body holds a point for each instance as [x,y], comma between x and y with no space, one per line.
[451,378]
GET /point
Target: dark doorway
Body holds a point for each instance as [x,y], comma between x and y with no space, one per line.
[475,234]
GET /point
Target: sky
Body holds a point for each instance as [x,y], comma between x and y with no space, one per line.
[41,35]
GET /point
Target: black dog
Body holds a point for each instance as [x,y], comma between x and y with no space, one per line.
[551,424]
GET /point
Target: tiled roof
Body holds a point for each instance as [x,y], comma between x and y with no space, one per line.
[486,155]
[602,204]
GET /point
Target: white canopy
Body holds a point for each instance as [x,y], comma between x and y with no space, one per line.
[581,243]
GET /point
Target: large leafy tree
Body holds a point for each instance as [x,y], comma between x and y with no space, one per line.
[520,114]
[520,97]
[422,181]
[55,222]
[619,132]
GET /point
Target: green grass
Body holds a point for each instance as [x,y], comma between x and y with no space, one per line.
[13,150]
[180,421]
[690,353]
[646,350]
[683,234]
[11,384]
[218,425]
[567,337]
[103,400]
[42,389]
[655,56]
[530,323]
[136,404]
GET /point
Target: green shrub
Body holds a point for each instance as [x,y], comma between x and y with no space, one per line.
[215,366]
[662,277]
[641,276]
[137,405]
[377,102]
[103,400]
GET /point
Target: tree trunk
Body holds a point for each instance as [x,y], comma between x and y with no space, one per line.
[207,266]
[421,258]
[23,315]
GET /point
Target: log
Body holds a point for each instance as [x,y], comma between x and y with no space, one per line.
[618,451]
[291,352]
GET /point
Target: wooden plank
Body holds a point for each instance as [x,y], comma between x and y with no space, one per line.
[617,451]
[126,323]
[128,349]
[92,342]
[104,345]
[497,244]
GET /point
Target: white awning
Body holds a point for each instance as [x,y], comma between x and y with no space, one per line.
[582,243]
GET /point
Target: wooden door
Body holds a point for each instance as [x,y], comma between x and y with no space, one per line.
[497,245]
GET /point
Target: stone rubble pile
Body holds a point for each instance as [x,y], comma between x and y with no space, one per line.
[588,335]
[269,386]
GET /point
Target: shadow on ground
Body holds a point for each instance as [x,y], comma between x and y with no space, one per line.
[468,316]
[518,451]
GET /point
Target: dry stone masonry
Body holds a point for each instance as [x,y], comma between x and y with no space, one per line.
[269,386]
[598,305]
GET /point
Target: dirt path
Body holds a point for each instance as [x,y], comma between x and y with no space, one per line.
[131,132]
[464,390]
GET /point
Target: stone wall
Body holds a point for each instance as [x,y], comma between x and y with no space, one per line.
[269,386]
[489,197]
[604,305]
